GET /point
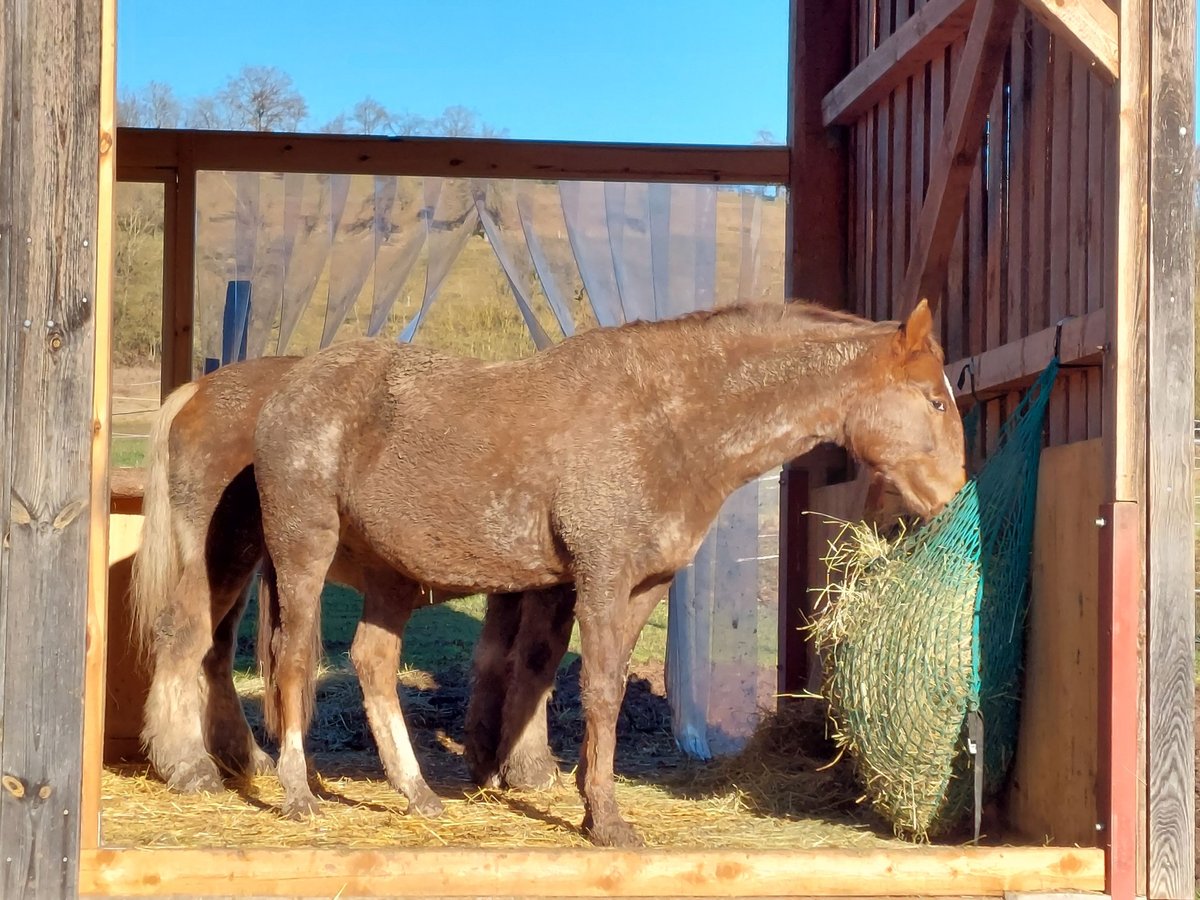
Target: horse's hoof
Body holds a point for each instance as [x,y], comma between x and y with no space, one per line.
[426,804]
[301,808]
[261,763]
[613,833]
[201,777]
[531,773]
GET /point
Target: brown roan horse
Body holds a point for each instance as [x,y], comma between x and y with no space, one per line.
[201,547]
[600,462]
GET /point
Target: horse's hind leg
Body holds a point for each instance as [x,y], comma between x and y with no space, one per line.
[490,677]
[173,720]
[228,734]
[388,602]
[545,630]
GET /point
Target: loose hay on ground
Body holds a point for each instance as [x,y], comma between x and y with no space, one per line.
[780,792]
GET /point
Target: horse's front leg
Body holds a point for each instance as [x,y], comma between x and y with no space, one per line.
[388,602]
[609,622]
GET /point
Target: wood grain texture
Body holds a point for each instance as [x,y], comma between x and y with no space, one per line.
[1052,796]
[930,871]
[237,151]
[50,53]
[95,665]
[918,41]
[953,162]
[1125,386]
[1088,26]
[179,274]
[1170,454]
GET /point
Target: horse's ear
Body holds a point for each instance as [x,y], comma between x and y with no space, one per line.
[914,333]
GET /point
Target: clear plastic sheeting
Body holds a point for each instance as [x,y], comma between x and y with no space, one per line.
[450,219]
[333,256]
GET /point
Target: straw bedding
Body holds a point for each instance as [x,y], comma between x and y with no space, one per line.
[782,791]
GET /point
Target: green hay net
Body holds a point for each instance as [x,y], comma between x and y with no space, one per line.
[924,636]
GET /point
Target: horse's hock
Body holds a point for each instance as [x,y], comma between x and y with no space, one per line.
[1027,166]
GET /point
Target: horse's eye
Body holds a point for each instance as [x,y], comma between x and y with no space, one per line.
[938,405]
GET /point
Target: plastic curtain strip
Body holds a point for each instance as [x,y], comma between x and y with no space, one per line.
[586,218]
[353,253]
[552,284]
[308,220]
[399,238]
[519,278]
[451,217]
[267,294]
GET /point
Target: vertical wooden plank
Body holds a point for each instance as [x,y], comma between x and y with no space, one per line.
[1059,238]
[96,662]
[918,118]
[937,118]
[883,218]
[50,53]
[1039,151]
[1098,251]
[816,266]
[1017,284]
[997,186]
[958,346]
[1171,677]
[1077,409]
[1125,428]
[901,167]
[974,301]
[179,250]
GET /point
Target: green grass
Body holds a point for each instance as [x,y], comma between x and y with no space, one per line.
[127,452]
[438,638]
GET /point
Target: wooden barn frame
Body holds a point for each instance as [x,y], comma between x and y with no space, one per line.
[910,175]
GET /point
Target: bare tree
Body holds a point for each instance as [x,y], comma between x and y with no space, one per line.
[131,111]
[369,116]
[765,136]
[205,112]
[337,125]
[162,106]
[457,121]
[263,98]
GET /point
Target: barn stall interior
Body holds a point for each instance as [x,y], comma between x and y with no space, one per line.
[992,156]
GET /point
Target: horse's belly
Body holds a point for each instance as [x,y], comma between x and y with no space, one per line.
[487,552]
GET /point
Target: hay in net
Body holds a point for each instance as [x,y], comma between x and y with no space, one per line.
[922,631]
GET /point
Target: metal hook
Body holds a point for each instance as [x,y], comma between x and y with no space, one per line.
[968,367]
[1058,334]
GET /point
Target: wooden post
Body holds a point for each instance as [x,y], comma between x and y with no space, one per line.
[816,265]
[96,662]
[1125,430]
[1170,534]
[50,52]
[179,274]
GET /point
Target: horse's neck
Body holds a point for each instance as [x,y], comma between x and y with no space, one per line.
[751,405]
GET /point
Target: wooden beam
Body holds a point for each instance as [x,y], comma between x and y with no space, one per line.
[50,57]
[234,151]
[925,36]
[928,871]
[1088,26]
[1171,452]
[953,161]
[1125,388]
[1017,364]
[95,664]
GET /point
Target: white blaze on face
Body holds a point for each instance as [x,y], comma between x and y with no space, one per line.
[946,379]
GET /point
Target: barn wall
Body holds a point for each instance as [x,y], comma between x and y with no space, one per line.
[1035,241]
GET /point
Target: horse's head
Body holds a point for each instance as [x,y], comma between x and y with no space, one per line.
[904,424]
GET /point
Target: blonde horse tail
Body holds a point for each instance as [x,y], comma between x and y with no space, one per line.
[156,565]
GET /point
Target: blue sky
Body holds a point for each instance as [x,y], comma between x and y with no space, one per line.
[693,71]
